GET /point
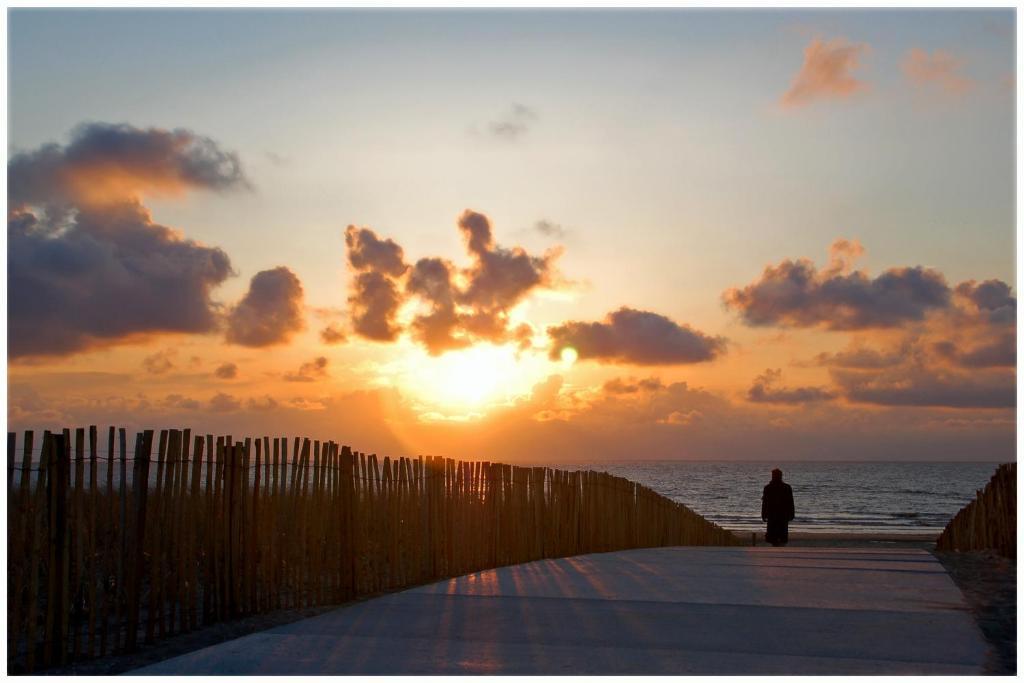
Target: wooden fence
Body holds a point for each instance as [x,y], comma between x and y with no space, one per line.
[989,522]
[106,550]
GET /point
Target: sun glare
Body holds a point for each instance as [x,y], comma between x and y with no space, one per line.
[471,381]
[569,356]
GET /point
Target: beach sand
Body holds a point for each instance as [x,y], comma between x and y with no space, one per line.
[808,539]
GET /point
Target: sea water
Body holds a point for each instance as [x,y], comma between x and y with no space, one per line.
[834,497]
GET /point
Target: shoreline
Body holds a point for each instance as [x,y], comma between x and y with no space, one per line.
[845,539]
[845,535]
[862,536]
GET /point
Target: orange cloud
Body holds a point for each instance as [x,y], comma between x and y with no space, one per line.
[621,386]
[765,389]
[843,254]
[111,163]
[224,403]
[949,347]
[464,305]
[678,417]
[333,334]
[226,371]
[826,73]
[77,209]
[562,423]
[160,362]
[309,372]
[939,70]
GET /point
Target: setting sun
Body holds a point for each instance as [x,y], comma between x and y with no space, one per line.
[466,383]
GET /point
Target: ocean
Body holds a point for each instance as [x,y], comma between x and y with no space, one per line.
[859,497]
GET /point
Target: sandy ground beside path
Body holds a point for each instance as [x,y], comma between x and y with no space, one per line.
[989,582]
[187,642]
[807,539]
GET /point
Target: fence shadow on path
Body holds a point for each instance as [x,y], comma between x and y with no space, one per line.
[106,551]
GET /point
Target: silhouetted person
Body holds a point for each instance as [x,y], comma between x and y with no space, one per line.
[777,509]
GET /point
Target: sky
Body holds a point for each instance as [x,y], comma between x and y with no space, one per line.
[519,235]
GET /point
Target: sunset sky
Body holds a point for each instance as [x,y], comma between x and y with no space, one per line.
[528,236]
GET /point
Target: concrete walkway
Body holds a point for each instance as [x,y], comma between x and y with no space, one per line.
[655,611]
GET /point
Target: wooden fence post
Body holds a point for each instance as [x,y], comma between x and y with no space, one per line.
[140,486]
[36,545]
[338,526]
[348,489]
[56,504]
[989,522]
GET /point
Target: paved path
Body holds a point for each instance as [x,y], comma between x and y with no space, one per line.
[654,611]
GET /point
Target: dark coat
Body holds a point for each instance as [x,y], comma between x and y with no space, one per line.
[777,502]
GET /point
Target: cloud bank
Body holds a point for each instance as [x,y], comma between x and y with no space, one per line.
[104,277]
[928,387]
[87,265]
[638,337]
[765,389]
[631,386]
[797,294]
[942,346]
